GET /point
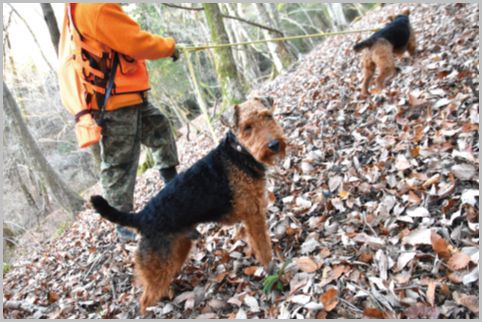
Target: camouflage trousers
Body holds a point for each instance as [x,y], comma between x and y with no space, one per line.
[123,133]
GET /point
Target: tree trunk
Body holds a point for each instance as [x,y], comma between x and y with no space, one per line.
[280,54]
[68,199]
[232,88]
[249,65]
[337,15]
[49,17]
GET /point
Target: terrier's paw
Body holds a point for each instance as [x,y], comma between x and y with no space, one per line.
[271,269]
[376,91]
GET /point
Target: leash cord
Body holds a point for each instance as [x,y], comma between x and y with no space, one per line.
[260,41]
[186,50]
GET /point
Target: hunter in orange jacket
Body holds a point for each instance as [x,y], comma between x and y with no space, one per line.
[99,34]
[101,25]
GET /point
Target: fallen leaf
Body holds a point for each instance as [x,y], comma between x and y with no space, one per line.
[469,301]
[418,212]
[420,310]
[333,274]
[343,194]
[415,152]
[300,299]
[420,236]
[441,103]
[309,245]
[468,196]
[432,180]
[374,313]
[456,277]
[314,306]
[334,182]
[306,264]
[419,133]
[306,167]
[370,240]
[303,203]
[413,198]
[365,257]
[252,303]
[402,163]
[404,259]
[241,315]
[329,299]
[250,270]
[431,285]
[463,171]
[472,276]
[440,246]
[52,297]
[458,261]
[220,277]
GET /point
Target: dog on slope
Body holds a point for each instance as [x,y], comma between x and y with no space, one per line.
[382,47]
[226,186]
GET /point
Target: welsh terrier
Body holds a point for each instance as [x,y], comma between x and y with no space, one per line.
[226,186]
[393,39]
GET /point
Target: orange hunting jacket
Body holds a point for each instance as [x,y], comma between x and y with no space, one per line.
[105,26]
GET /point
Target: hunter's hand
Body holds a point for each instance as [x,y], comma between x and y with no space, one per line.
[175,56]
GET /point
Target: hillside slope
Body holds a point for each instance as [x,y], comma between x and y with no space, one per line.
[376,204]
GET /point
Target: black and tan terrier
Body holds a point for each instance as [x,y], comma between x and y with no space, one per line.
[226,186]
[382,47]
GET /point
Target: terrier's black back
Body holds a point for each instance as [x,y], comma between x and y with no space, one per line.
[200,194]
[396,32]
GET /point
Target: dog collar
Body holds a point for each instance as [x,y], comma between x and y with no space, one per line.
[233,142]
[243,158]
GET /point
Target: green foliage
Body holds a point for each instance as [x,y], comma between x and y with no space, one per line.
[273,281]
[147,163]
[6,268]
[62,228]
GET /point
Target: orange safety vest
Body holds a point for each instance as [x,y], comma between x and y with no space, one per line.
[83,75]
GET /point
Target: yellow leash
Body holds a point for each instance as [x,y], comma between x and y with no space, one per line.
[261,41]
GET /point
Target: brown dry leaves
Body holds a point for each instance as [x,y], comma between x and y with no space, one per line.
[376,203]
[458,261]
[306,264]
[440,246]
[329,299]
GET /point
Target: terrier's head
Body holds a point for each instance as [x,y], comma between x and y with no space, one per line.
[255,128]
[402,15]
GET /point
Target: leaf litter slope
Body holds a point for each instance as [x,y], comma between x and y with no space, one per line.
[376,204]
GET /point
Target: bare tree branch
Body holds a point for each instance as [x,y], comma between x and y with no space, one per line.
[5,35]
[65,196]
[33,36]
[182,7]
[249,22]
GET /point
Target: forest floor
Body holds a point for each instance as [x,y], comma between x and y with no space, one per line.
[375,210]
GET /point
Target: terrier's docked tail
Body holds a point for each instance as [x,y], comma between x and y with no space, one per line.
[114,215]
[367,43]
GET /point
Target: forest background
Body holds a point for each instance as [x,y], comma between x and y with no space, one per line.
[30,38]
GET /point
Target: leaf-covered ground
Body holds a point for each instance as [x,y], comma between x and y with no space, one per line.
[375,208]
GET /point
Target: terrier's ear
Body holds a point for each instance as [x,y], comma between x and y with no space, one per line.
[391,18]
[406,12]
[267,101]
[230,118]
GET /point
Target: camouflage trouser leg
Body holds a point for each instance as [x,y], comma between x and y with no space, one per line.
[124,130]
[157,134]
